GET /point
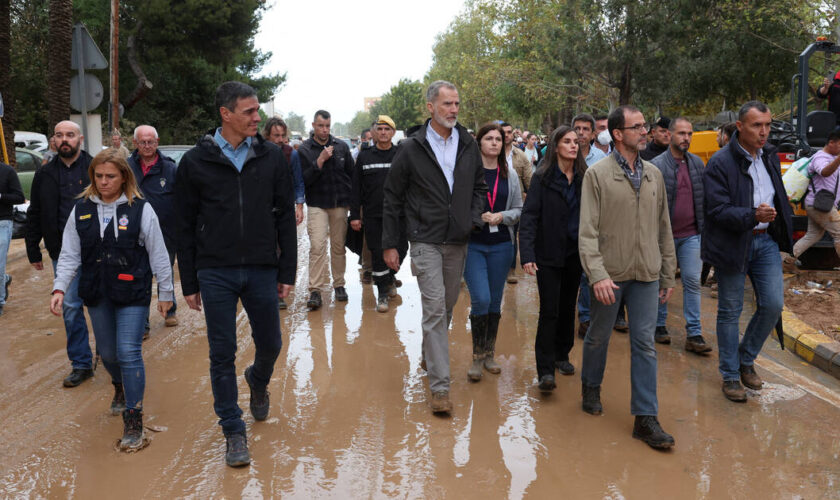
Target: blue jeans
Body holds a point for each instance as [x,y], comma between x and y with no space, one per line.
[119,335]
[78,345]
[688,258]
[485,272]
[221,290]
[583,299]
[764,267]
[641,299]
[5,240]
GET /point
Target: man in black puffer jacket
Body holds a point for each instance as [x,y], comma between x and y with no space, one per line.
[235,210]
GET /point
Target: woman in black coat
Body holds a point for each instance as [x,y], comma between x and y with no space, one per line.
[549,248]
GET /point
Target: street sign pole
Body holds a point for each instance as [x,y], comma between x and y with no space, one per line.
[77,32]
[114,121]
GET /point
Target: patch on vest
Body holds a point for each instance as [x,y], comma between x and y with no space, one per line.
[123,223]
[83,217]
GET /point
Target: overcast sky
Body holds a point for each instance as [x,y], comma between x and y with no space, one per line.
[337,52]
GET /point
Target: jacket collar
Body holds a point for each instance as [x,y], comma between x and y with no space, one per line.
[210,151]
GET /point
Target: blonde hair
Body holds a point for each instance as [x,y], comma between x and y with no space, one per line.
[116,158]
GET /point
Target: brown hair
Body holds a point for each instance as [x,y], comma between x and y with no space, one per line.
[501,160]
[550,159]
[114,157]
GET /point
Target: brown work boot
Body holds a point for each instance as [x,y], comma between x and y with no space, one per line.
[440,402]
[733,391]
[697,345]
[171,320]
[750,378]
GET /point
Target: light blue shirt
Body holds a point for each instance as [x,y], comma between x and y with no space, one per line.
[763,190]
[445,151]
[236,156]
[594,155]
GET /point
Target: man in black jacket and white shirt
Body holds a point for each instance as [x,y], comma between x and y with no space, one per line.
[235,209]
[437,180]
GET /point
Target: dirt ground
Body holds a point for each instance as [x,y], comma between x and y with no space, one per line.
[819,306]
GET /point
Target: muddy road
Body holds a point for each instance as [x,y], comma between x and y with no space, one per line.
[349,417]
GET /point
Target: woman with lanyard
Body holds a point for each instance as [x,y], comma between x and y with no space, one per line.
[548,247]
[113,235]
[490,252]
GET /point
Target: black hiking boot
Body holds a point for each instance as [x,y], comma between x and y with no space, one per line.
[118,403]
[314,301]
[132,430]
[591,403]
[340,294]
[647,429]
[259,398]
[661,335]
[547,384]
[236,454]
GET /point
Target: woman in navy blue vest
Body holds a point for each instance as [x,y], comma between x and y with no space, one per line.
[113,235]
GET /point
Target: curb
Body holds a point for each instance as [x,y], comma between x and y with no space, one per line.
[817,349]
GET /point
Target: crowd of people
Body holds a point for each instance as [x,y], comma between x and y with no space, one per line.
[603,225]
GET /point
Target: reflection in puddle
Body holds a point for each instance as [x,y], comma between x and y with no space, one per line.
[520,443]
[300,363]
[461,450]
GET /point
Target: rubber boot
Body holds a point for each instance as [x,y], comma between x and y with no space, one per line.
[479,332]
[490,343]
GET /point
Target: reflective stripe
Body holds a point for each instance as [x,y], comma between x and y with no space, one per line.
[372,166]
[380,273]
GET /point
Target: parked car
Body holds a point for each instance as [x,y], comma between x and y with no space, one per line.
[28,162]
[30,140]
[175,151]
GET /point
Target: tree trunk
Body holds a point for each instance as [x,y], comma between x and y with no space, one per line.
[58,65]
[625,92]
[5,79]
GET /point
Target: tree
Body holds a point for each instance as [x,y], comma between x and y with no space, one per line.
[58,67]
[5,78]
[360,121]
[296,122]
[404,103]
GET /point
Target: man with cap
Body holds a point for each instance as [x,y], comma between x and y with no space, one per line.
[372,166]
[661,139]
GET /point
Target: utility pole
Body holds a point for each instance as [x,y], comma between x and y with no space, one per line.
[114,105]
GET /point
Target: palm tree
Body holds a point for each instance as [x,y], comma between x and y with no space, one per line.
[58,64]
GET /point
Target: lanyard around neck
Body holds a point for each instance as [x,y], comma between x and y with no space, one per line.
[492,199]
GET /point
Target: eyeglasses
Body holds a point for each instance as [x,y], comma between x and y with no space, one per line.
[639,127]
[146,143]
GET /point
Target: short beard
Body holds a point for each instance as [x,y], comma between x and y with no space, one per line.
[71,154]
[445,123]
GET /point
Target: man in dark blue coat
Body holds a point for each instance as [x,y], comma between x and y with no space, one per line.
[748,220]
[155,174]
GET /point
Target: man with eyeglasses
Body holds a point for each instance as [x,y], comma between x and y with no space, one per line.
[627,250]
[155,174]
[55,187]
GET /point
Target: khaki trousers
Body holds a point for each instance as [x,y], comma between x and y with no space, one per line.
[818,224]
[323,223]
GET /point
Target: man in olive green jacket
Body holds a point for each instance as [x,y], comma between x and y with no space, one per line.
[627,251]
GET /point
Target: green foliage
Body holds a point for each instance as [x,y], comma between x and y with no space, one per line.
[404,103]
[296,122]
[186,48]
[360,121]
[541,61]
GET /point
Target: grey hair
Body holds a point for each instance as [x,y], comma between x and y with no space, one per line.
[151,127]
[434,89]
[757,105]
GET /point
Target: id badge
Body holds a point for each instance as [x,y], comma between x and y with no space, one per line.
[493,229]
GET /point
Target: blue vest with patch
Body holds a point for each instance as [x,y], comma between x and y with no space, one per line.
[117,268]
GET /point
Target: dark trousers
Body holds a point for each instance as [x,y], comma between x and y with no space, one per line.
[558,287]
[221,290]
[383,276]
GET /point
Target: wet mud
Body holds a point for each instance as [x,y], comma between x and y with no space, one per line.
[349,415]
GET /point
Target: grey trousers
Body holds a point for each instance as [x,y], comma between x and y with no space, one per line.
[438,269]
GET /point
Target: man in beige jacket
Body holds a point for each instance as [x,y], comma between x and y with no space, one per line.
[627,251]
[516,160]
